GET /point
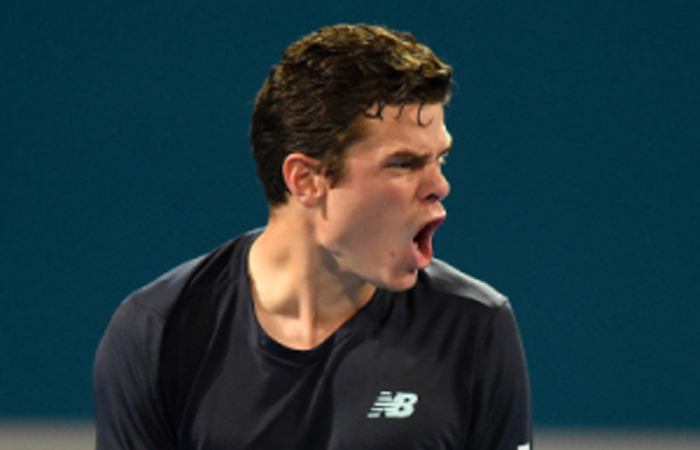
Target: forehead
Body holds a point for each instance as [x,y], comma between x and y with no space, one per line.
[412,127]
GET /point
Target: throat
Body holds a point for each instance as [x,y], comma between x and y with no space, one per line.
[298,300]
[298,332]
[304,323]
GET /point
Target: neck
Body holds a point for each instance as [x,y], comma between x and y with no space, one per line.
[301,297]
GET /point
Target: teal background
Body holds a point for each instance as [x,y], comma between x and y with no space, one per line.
[123,136]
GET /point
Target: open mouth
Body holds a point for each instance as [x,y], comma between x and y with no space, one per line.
[423,242]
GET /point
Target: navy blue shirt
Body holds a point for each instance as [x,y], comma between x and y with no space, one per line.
[184,364]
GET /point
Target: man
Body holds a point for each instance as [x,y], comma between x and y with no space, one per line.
[332,327]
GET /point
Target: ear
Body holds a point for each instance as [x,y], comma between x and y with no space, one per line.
[304,180]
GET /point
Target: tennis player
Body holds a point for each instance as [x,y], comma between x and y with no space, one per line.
[333,327]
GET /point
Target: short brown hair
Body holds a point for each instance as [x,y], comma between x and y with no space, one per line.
[325,82]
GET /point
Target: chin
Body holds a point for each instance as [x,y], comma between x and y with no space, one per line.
[397,283]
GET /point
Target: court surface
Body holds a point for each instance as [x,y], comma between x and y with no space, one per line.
[19,435]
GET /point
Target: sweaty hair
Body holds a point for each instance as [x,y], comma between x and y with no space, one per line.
[312,100]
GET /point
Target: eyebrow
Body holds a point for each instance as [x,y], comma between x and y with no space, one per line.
[417,153]
[416,157]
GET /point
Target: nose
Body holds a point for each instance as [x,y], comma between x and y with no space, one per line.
[436,186]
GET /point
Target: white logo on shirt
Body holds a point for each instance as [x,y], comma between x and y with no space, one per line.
[524,447]
[399,406]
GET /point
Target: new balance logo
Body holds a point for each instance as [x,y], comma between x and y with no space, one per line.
[399,406]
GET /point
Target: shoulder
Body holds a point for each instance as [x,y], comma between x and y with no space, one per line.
[181,299]
[220,267]
[442,279]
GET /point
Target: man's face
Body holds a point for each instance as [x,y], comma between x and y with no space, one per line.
[378,220]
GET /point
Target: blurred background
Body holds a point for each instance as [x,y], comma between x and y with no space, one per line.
[124,144]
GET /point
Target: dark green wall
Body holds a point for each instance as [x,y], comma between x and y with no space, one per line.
[123,135]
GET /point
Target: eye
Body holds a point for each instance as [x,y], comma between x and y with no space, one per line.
[410,163]
[442,159]
[401,164]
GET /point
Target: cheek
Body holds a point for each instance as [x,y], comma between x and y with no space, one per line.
[385,215]
[373,213]
[381,215]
